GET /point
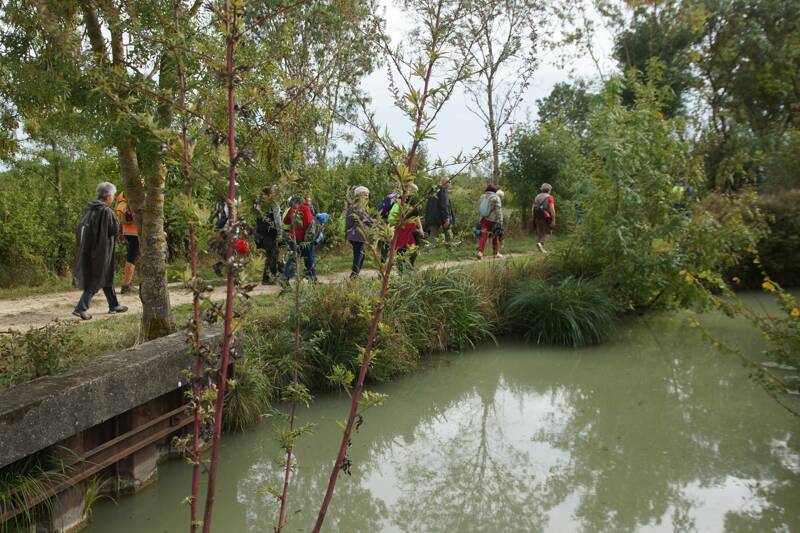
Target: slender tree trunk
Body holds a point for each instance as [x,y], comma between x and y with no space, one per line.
[293,409]
[493,133]
[157,319]
[143,175]
[61,261]
[198,362]
[229,20]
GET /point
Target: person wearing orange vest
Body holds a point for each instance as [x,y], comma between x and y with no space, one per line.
[130,234]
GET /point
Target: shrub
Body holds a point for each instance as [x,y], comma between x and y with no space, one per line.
[336,321]
[779,249]
[439,309]
[38,352]
[574,312]
[248,397]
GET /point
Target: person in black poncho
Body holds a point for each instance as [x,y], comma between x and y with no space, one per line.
[94,265]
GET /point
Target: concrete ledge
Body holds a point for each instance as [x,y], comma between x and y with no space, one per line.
[47,410]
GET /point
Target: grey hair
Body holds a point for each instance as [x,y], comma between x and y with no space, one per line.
[412,187]
[105,189]
[358,191]
[546,187]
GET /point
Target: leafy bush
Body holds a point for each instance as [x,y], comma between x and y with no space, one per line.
[633,234]
[779,249]
[574,312]
[38,352]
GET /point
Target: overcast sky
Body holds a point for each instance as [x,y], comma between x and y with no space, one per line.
[458,129]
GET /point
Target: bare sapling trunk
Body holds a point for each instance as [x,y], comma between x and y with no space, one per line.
[359,388]
[195,324]
[423,122]
[293,408]
[231,35]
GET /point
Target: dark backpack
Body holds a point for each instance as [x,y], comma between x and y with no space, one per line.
[541,207]
[386,205]
[314,232]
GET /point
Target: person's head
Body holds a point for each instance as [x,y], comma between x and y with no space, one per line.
[294,201]
[268,192]
[307,199]
[361,194]
[490,188]
[444,182]
[411,189]
[501,194]
[546,187]
[105,192]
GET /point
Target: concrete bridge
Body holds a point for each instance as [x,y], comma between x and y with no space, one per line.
[113,417]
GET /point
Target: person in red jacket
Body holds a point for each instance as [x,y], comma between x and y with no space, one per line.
[297,219]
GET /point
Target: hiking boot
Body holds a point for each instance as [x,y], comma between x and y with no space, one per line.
[498,256]
[479,255]
[117,309]
[541,247]
[83,315]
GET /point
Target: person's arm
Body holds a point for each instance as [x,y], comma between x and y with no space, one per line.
[552,208]
[114,226]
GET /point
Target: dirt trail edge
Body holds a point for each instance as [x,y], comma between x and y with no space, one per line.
[22,314]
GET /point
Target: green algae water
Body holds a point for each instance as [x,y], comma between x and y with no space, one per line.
[653,432]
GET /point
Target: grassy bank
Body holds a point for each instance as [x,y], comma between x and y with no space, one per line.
[429,311]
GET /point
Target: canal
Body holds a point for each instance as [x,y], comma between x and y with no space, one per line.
[652,432]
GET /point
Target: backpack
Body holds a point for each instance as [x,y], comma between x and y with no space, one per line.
[314,231]
[485,207]
[386,205]
[541,205]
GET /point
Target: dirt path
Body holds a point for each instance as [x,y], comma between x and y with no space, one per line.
[22,314]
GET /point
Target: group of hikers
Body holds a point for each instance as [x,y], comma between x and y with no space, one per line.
[301,229]
[295,227]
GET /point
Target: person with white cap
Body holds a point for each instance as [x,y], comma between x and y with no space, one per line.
[356,223]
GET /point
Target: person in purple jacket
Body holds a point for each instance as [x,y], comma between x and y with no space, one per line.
[356,223]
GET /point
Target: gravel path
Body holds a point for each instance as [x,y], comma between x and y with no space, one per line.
[22,314]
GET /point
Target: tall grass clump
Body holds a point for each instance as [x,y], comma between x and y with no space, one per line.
[336,321]
[439,309]
[21,483]
[574,312]
[248,397]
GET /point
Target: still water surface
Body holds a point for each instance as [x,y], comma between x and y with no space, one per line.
[654,432]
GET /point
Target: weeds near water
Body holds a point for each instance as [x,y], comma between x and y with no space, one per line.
[22,486]
[575,312]
[248,396]
[439,309]
[95,491]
